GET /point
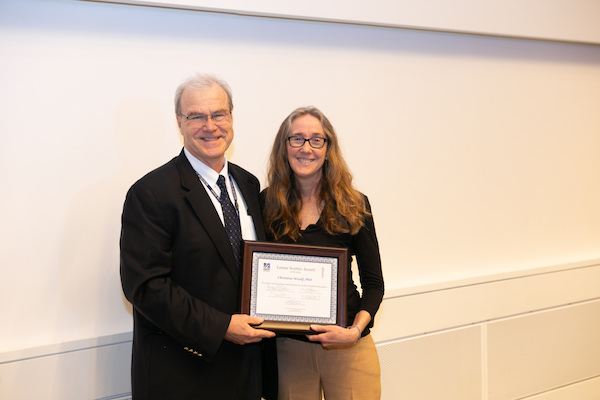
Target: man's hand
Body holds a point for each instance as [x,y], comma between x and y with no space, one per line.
[241,331]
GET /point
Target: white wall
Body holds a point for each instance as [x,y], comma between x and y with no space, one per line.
[479,154]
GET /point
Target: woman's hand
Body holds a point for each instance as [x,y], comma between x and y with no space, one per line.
[334,335]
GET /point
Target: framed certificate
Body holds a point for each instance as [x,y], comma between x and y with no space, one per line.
[293,286]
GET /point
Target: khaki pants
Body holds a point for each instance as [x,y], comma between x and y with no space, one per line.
[349,373]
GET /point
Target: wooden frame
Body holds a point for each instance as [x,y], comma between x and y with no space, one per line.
[304,285]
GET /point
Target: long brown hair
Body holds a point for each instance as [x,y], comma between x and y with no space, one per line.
[344,207]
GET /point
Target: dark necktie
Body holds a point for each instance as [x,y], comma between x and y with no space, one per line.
[232,221]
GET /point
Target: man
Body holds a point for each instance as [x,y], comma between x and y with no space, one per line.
[179,268]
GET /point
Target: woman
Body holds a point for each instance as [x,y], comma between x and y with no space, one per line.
[310,200]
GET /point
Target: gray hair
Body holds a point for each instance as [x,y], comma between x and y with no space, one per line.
[201,81]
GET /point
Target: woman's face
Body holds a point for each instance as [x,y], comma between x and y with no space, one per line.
[306,161]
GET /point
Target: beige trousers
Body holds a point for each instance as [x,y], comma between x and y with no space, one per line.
[349,373]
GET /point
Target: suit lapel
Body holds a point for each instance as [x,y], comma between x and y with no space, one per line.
[204,209]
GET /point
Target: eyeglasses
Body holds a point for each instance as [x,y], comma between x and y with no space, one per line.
[202,119]
[314,142]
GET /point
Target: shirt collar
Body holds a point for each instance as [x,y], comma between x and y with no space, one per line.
[209,174]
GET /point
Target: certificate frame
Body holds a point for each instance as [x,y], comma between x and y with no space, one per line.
[259,291]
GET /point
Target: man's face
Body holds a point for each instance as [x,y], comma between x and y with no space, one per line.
[207,141]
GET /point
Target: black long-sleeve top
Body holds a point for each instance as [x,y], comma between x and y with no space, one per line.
[365,248]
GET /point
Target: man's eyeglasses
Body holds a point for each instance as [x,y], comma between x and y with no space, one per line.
[202,119]
[314,142]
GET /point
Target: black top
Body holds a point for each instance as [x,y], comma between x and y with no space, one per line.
[365,248]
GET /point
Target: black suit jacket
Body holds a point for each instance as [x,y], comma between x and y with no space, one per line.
[178,270]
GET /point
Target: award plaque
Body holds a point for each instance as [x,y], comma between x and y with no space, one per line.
[293,286]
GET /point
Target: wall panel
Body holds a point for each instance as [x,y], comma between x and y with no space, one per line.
[540,19]
[585,390]
[440,366]
[83,372]
[534,353]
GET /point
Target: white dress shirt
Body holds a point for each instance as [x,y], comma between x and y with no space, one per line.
[211,176]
